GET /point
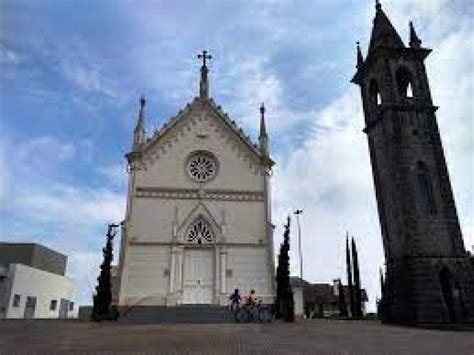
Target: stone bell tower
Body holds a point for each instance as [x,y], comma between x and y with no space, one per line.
[430,276]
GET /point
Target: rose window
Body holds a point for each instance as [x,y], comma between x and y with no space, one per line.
[200,232]
[202,167]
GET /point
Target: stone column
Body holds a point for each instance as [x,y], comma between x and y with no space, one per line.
[216,273]
[223,262]
[172,268]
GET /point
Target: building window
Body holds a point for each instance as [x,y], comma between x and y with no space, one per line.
[16,301]
[374,93]
[71,306]
[426,188]
[202,166]
[200,232]
[53,305]
[404,83]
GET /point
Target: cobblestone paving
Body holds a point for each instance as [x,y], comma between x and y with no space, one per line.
[302,337]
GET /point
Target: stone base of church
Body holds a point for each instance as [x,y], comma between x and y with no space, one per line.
[176,299]
[177,314]
[429,290]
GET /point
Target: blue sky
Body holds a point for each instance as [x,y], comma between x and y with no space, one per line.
[71,74]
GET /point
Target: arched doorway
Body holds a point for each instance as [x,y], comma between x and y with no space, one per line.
[198,276]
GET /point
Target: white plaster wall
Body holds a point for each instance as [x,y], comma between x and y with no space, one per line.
[165,162]
[152,218]
[249,271]
[45,286]
[298,301]
[145,280]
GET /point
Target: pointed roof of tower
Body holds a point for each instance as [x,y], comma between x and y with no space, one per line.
[386,42]
[383,32]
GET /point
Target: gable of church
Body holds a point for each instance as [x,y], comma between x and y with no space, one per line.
[201,129]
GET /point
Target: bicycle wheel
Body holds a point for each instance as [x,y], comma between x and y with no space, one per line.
[241,315]
[265,316]
[253,314]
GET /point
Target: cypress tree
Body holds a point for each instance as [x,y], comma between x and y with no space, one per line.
[349,278]
[342,300]
[380,306]
[284,301]
[102,299]
[382,282]
[357,288]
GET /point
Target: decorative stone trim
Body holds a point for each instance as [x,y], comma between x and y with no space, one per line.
[194,194]
[135,241]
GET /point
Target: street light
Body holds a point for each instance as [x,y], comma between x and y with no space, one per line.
[297,213]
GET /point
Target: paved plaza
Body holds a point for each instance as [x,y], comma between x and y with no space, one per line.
[302,337]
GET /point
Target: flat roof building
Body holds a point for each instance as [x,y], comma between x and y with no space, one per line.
[33,282]
[35,255]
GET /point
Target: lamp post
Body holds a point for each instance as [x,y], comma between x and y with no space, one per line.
[297,213]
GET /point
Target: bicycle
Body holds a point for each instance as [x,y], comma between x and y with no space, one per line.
[253,313]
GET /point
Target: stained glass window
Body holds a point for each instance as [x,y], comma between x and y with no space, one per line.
[200,232]
[202,167]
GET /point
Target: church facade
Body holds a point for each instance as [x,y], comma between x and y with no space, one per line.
[198,218]
[429,274]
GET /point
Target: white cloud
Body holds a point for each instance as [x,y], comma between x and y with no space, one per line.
[70,205]
[7,56]
[115,176]
[37,205]
[4,177]
[329,178]
[87,77]
[84,269]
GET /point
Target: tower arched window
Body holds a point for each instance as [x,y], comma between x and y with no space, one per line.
[374,94]
[425,188]
[404,83]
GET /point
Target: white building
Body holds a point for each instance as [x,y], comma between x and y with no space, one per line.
[198,219]
[32,283]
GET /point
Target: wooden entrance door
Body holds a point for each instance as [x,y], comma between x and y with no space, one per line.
[198,276]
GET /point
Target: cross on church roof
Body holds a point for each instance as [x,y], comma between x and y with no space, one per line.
[204,56]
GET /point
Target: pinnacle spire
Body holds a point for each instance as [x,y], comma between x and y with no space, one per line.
[204,82]
[378,5]
[383,32]
[360,58]
[415,41]
[263,128]
[139,132]
[263,136]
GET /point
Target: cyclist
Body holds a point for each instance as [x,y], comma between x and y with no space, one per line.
[235,299]
[251,298]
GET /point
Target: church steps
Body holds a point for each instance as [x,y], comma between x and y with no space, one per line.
[178,314]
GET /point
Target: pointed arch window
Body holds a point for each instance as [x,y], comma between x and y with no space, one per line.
[425,187]
[404,83]
[409,92]
[374,93]
[200,232]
